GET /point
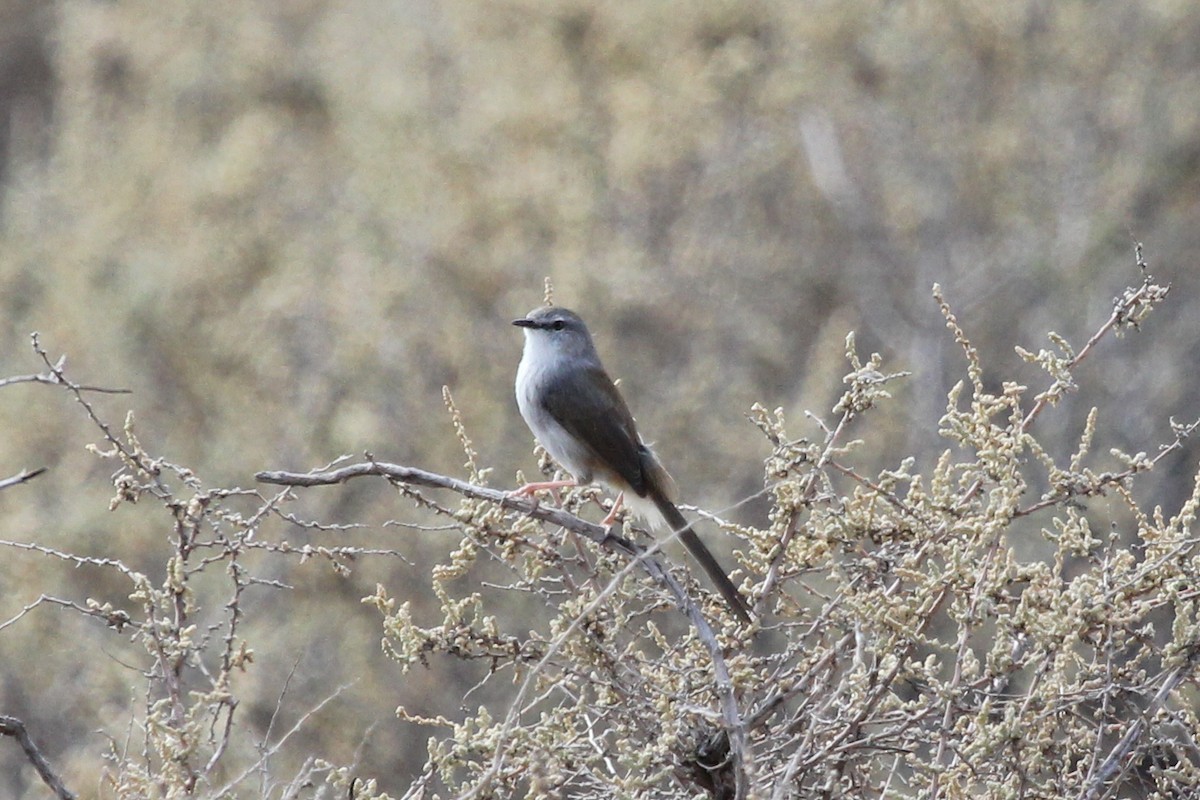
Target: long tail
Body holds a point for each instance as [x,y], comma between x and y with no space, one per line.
[716,573]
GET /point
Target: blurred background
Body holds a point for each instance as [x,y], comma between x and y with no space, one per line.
[286,225]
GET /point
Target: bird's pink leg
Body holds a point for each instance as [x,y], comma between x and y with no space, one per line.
[612,515]
[528,489]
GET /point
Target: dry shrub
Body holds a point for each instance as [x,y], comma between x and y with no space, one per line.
[1001,623]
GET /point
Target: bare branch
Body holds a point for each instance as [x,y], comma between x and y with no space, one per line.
[113,617]
[21,477]
[60,377]
[11,726]
[420,477]
[50,379]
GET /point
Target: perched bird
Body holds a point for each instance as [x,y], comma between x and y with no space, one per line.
[579,416]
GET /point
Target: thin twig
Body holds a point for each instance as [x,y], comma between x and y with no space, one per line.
[288,734]
[114,618]
[56,369]
[1120,313]
[50,379]
[21,477]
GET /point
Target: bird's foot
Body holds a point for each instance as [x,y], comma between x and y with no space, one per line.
[611,517]
[530,489]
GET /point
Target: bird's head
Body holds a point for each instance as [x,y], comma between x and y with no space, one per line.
[557,330]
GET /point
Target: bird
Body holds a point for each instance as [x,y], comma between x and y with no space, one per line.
[577,413]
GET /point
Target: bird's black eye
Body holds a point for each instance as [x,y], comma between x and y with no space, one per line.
[558,325]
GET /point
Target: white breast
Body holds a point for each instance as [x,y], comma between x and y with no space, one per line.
[537,358]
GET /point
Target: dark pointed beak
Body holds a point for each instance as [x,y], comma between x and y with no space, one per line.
[524,323]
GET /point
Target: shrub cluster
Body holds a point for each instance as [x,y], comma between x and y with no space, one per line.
[1003,623]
